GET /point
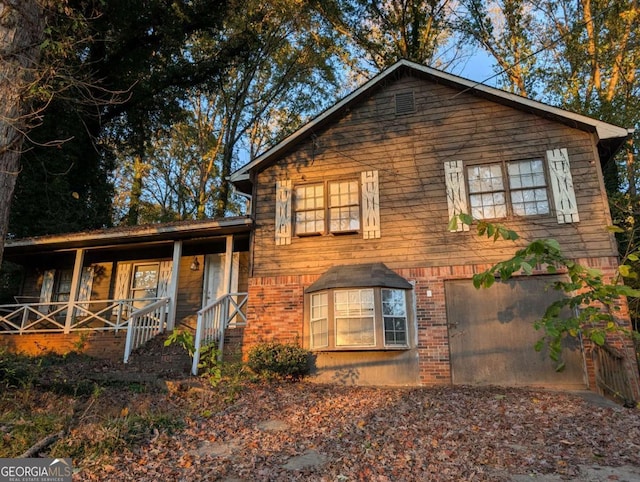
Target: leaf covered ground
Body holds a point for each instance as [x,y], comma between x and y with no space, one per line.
[244,430]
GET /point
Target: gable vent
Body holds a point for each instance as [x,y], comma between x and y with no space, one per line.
[405,103]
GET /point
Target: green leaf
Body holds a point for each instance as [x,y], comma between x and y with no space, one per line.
[625,271]
[453,224]
[633,257]
[466,218]
[526,267]
[597,337]
[615,229]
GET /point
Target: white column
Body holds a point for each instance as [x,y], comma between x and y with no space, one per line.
[172,292]
[75,289]
[228,264]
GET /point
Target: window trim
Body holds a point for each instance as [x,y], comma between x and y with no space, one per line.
[327,208]
[506,187]
[380,341]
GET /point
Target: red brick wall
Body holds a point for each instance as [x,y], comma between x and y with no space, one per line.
[276,313]
[100,344]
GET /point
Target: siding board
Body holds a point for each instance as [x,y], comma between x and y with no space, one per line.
[409,152]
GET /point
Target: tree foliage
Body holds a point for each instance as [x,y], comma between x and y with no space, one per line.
[287,74]
[387,31]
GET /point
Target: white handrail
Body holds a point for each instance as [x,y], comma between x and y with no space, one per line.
[93,315]
[214,319]
[145,324]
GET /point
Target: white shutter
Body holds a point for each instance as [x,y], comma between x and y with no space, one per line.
[123,277]
[562,185]
[86,284]
[283,212]
[164,279]
[370,205]
[456,191]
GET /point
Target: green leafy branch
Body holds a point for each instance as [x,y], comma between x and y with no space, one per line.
[591,304]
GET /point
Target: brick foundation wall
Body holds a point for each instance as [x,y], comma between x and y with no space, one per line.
[99,344]
[276,313]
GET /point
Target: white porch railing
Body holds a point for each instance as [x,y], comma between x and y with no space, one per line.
[94,315]
[226,312]
[145,324]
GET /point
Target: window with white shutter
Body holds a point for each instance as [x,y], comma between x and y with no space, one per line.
[344,206]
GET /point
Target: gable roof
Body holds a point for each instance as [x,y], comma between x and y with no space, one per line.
[610,137]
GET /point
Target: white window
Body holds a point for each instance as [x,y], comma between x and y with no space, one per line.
[62,290]
[528,188]
[354,316]
[523,194]
[394,315]
[319,320]
[309,209]
[144,283]
[318,213]
[358,318]
[344,206]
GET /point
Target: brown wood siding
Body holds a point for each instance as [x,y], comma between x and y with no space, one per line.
[189,292]
[409,152]
[102,281]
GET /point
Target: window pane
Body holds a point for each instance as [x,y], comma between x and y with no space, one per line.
[355,331]
[344,206]
[309,209]
[319,320]
[145,276]
[144,284]
[394,317]
[354,311]
[486,188]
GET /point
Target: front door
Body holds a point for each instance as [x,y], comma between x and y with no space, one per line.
[216,281]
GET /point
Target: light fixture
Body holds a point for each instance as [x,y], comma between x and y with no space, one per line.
[195,265]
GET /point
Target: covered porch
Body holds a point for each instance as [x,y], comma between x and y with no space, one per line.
[126,285]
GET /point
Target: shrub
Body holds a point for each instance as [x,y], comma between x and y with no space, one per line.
[283,359]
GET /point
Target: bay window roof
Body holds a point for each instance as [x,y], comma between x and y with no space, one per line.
[359,276]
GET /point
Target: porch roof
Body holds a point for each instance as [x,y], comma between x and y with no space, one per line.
[128,235]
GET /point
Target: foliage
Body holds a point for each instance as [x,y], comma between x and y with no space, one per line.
[15,370]
[10,282]
[184,338]
[286,360]
[591,304]
[72,181]
[209,362]
[385,32]
[288,73]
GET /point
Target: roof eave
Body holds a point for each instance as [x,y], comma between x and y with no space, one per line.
[140,234]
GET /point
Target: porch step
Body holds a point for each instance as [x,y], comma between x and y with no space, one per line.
[154,357]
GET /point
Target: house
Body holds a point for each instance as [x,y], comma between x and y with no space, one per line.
[347,249]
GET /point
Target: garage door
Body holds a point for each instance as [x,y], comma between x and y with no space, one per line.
[491,336]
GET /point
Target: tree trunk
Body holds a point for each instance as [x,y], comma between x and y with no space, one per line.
[21,33]
[135,198]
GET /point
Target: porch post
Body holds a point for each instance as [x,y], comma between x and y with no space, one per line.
[173,286]
[228,264]
[75,289]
